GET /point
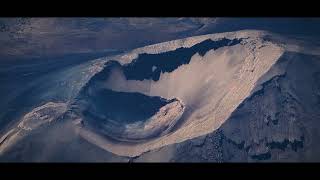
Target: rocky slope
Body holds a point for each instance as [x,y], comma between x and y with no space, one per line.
[279,122]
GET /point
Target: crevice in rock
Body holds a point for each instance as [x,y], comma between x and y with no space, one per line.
[294,145]
[264,156]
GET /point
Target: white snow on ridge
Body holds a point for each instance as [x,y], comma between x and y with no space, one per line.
[186,42]
[293,45]
[42,115]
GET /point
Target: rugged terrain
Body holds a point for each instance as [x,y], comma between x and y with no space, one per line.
[236,96]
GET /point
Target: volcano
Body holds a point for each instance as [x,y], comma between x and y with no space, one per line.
[236,96]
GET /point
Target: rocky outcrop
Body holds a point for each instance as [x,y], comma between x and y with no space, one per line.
[38,117]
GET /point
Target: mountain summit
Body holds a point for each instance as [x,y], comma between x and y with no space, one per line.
[236,96]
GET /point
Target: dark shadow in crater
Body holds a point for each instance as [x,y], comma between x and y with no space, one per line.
[95,82]
[109,113]
[142,67]
[101,104]
[124,107]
